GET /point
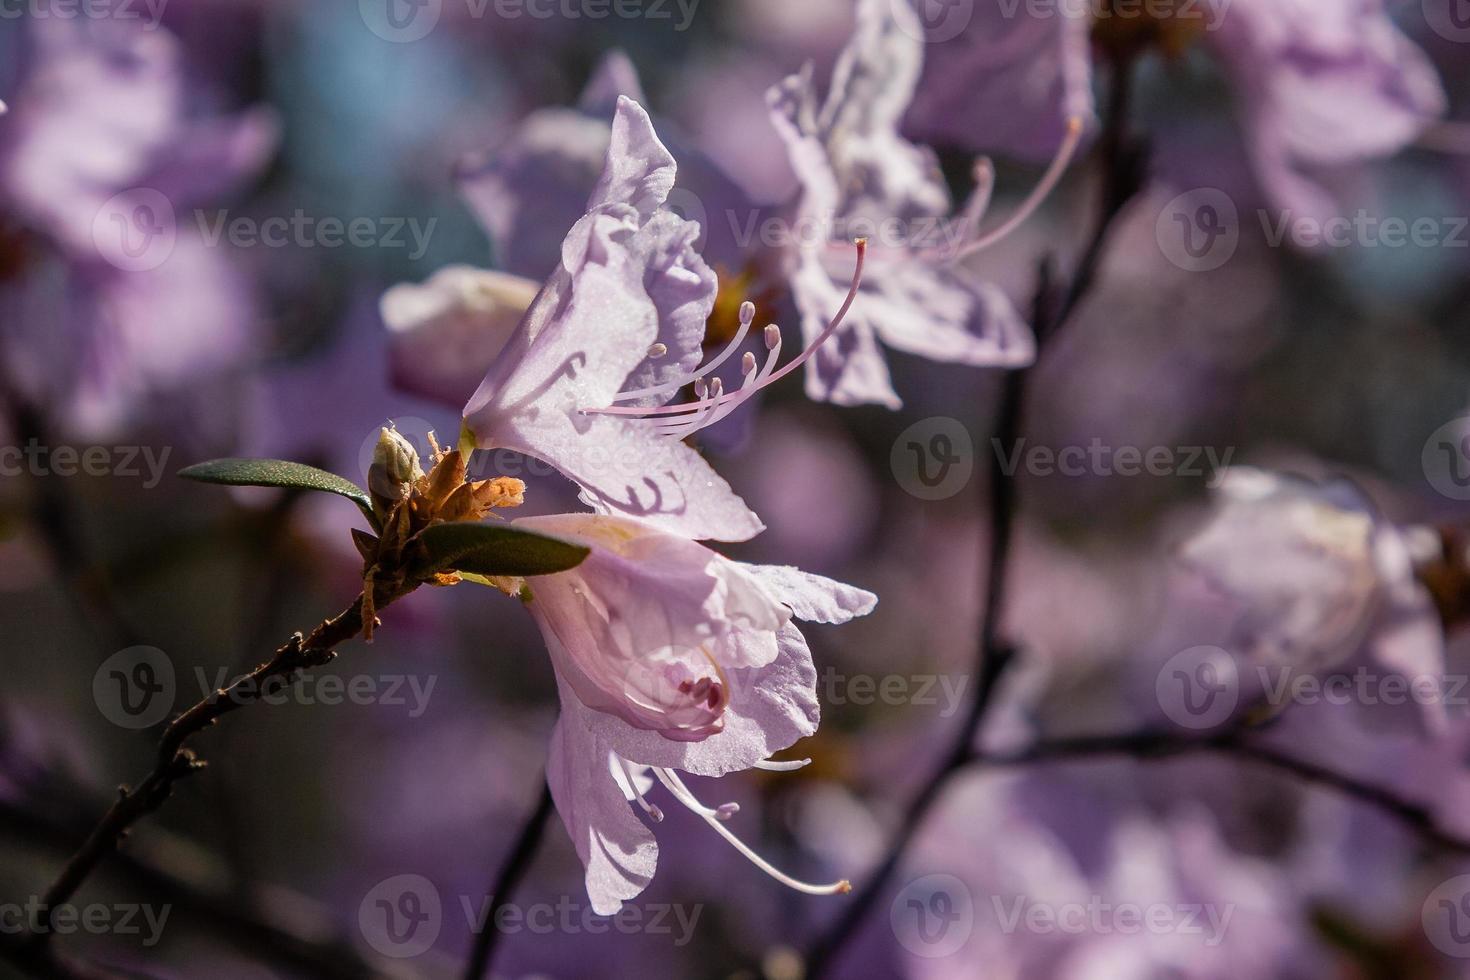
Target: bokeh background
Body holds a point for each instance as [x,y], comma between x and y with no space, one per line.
[1337,361]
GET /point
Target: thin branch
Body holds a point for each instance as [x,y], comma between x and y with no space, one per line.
[1124,162]
[176,760]
[510,876]
[1150,746]
[300,939]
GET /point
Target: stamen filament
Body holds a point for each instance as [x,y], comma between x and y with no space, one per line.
[651,809]
[747,317]
[978,204]
[1033,202]
[681,792]
[739,396]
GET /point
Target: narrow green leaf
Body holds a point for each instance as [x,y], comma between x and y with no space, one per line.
[278,473]
[495,549]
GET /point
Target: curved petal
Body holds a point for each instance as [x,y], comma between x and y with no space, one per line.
[814,598]
[617,849]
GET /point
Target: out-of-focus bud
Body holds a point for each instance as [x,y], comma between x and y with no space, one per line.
[445,333]
[394,471]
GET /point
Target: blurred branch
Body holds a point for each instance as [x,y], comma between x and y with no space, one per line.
[288,929]
[510,876]
[1124,161]
[176,760]
[1149,746]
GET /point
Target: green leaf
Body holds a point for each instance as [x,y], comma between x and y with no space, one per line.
[278,473]
[494,549]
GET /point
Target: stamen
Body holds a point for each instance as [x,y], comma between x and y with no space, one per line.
[652,810]
[747,317]
[773,766]
[1032,204]
[681,793]
[709,400]
[975,209]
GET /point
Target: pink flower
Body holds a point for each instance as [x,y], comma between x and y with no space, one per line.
[858,177]
[669,657]
[614,335]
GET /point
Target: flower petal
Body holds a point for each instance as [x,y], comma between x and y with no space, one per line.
[617,849]
[814,598]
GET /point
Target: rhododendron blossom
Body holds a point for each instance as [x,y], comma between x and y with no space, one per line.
[623,320]
[669,658]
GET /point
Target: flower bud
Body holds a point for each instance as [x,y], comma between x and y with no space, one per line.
[394,471]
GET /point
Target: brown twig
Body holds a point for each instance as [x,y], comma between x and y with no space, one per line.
[176,760]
